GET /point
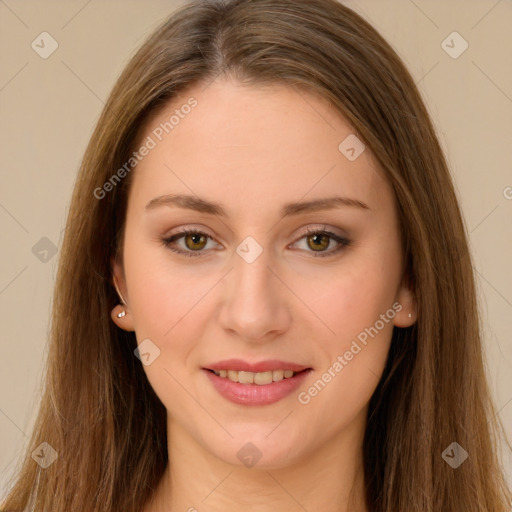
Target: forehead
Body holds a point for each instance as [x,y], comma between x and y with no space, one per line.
[252,146]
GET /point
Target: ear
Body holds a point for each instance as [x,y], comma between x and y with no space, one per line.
[125,321]
[407,314]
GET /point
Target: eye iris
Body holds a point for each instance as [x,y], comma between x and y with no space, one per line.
[196,238]
[316,239]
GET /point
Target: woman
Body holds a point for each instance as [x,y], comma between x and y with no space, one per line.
[265,298]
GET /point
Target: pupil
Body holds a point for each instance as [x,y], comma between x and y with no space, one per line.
[319,240]
[195,238]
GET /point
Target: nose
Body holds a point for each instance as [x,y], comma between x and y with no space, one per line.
[256,302]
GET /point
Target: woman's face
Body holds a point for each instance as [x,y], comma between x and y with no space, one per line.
[252,281]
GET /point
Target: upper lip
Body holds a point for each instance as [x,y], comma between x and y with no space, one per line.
[261,366]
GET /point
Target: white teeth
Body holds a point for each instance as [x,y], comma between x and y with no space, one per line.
[278,375]
[245,377]
[259,378]
[262,378]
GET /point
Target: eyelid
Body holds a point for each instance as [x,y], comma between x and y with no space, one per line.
[321,228]
[302,231]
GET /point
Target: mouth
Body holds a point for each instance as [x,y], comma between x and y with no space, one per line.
[273,381]
[258,378]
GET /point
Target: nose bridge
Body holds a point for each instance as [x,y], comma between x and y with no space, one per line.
[254,304]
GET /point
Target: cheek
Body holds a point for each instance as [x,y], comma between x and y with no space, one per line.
[353,359]
[360,315]
[165,300]
[162,293]
[354,295]
[357,306]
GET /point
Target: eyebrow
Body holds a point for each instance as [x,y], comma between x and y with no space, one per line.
[203,206]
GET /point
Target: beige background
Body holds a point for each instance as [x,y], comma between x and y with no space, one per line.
[49,108]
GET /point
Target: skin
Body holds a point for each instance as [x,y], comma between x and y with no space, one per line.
[253,149]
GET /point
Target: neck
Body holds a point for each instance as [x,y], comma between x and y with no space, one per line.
[329,478]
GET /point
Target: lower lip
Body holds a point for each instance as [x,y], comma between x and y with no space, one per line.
[254,394]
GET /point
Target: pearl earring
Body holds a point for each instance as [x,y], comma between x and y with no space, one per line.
[123,312]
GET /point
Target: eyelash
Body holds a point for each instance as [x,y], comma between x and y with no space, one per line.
[167,242]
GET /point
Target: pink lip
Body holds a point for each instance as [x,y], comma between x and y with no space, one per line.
[262,366]
[254,394]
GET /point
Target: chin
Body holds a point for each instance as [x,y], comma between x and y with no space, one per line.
[255,451]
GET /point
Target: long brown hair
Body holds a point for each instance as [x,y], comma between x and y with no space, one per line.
[99,412]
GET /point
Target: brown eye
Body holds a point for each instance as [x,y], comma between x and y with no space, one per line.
[195,241]
[318,241]
[192,242]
